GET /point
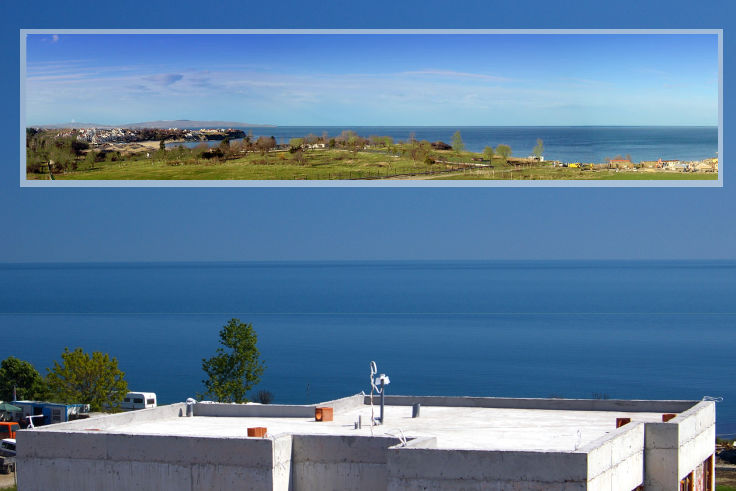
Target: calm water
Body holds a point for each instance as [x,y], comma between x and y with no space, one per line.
[528,329]
[564,143]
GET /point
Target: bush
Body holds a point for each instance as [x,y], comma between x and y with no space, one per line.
[264,397]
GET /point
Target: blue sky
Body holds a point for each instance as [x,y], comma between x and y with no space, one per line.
[500,79]
[184,224]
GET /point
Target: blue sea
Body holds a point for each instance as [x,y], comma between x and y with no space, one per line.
[563,143]
[581,329]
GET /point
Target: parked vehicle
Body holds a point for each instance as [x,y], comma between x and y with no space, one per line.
[7,456]
[8,429]
[138,400]
[7,447]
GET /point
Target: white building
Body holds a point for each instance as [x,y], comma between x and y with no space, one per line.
[453,443]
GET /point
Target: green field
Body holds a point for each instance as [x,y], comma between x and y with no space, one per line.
[542,172]
[335,164]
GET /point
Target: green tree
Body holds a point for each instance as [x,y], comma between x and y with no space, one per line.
[457,142]
[504,151]
[83,379]
[538,149]
[236,367]
[488,153]
[296,144]
[90,158]
[22,376]
[162,145]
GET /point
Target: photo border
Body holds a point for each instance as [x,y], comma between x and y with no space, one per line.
[380,183]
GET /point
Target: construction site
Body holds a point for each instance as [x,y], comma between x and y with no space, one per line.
[364,442]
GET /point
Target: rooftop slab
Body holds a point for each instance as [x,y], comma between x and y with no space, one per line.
[470,428]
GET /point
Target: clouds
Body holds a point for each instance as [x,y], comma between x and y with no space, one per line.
[353,80]
[165,79]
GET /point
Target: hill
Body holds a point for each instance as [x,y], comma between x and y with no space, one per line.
[179,123]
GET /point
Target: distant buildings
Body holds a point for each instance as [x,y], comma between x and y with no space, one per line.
[50,412]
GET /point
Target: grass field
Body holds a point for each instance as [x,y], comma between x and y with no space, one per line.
[563,173]
[339,164]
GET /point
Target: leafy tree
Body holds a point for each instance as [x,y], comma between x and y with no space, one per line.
[22,376]
[235,368]
[457,142]
[90,159]
[83,379]
[538,149]
[504,151]
[162,145]
[488,153]
[295,144]
[353,143]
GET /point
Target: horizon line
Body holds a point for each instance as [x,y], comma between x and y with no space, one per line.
[270,125]
[255,261]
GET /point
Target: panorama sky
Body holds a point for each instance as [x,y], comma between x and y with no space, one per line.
[374,79]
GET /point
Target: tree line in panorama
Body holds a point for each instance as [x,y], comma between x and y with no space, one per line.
[95,379]
[45,151]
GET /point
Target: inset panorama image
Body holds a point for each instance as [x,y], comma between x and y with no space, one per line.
[371,106]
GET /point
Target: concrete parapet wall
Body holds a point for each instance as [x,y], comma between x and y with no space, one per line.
[674,449]
[253,410]
[616,460]
[96,475]
[345,403]
[217,409]
[423,468]
[76,460]
[340,462]
[552,404]
[118,419]
[696,436]
[282,451]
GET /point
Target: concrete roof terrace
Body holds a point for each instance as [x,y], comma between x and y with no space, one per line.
[472,423]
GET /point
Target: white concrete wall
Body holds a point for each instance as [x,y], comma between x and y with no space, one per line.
[553,404]
[282,451]
[92,461]
[414,468]
[696,436]
[675,448]
[616,461]
[339,462]
[274,410]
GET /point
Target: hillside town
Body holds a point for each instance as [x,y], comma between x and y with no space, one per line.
[705,165]
[99,136]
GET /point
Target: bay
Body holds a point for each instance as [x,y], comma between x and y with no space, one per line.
[618,329]
[563,143]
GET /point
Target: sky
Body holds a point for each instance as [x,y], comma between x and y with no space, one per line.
[374,79]
[245,224]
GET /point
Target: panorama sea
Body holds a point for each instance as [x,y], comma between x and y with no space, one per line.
[564,143]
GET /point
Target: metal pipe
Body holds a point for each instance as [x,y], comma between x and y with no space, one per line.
[383,389]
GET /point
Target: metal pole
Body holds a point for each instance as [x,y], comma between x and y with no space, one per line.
[383,389]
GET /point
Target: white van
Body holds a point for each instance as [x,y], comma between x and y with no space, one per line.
[138,400]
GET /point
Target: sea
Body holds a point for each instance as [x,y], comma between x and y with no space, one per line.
[576,329]
[564,143]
